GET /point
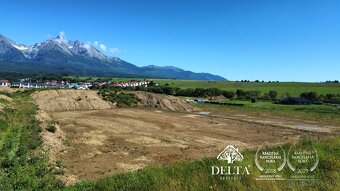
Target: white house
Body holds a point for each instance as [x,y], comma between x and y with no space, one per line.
[5,83]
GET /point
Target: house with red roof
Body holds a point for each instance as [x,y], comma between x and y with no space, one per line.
[5,83]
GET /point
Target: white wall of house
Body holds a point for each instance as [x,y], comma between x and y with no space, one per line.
[5,84]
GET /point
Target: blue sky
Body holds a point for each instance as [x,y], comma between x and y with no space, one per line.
[241,39]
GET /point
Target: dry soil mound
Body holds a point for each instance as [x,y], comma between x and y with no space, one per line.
[70,100]
[5,97]
[6,89]
[165,102]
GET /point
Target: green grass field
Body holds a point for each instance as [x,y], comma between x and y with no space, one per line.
[23,164]
[283,88]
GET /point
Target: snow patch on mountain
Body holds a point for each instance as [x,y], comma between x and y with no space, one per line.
[21,47]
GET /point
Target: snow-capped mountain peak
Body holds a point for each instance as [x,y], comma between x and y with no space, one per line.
[10,50]
[60,44]
[59,39]
[87,50]
[59,55]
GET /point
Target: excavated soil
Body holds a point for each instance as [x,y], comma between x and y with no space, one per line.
[101,143]
[81,100]
[5,97]
[164,102]
[7,89]
[97,143]
[70,100]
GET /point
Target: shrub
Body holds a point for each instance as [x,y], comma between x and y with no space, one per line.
[240,94]
[120,98]
[313,96]
[247,94]
[336,100]
[272,94]
[228,94]
[51,128]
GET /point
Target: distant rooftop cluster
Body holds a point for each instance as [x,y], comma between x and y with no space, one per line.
[26,83]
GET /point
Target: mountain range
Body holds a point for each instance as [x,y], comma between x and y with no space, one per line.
[61,56]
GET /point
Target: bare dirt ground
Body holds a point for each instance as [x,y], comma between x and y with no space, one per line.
[164,102]
[94,143]
[81,100]
[307,126]
[7,89]
[5,97]
[70,100]
[118,140]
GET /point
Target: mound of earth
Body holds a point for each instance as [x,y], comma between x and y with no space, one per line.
[5,97]
[215,97]
[6,89]
[165,102]
[70,100]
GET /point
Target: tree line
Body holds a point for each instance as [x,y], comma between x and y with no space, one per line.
[198,92]
[326,98]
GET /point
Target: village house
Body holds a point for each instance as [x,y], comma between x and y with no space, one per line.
[99,83]
[130,84]
[73,85]
[36,85]
[49,84]
[85,85]
[201,101]
[5,83]
[54,82]
[26,85]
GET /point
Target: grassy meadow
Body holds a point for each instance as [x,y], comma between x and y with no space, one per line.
[283,88]
[23,163]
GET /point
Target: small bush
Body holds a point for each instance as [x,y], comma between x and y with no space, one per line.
[121,99]
[51,128]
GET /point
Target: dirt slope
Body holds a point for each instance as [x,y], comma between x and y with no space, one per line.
[7,89]
[165,102]
[81,100]
[5,97]
[70,100]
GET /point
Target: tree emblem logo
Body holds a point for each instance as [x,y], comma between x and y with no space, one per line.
[230,154]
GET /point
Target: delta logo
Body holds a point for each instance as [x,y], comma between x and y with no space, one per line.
[231,155]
